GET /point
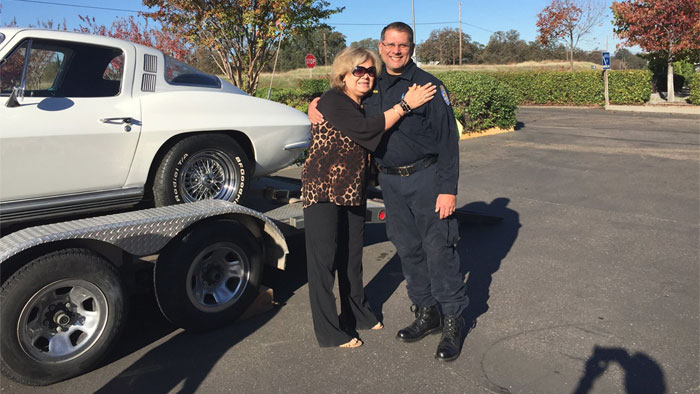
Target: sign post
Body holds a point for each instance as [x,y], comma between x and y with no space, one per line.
[310,62]
[606,68]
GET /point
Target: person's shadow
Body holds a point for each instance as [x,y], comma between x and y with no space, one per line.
[482,247]
[642,373]
[487,232]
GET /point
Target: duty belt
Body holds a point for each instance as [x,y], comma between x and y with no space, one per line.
[409,169]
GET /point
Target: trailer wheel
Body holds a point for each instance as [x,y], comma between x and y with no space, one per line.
[208,278]
[60,315]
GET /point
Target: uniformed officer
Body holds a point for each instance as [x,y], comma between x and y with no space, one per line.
[419,168]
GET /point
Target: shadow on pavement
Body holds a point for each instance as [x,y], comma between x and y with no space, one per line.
[482,248]
[483,244]
[642,373]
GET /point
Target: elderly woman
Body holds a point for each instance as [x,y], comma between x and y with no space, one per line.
[334,194]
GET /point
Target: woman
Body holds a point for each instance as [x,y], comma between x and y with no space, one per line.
[334,194]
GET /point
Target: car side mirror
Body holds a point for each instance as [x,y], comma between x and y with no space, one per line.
[13,100]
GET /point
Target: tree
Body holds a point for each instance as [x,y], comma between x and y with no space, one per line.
[568,20]
[505,47]
[669,27]
[625,59]
[294,49]
[443,46]
[132,30]
[242,34]
[369,43]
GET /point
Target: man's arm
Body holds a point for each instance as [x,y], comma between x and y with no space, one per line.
[444,124]
[315,116]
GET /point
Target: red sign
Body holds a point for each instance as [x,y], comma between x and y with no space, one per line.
[310,61]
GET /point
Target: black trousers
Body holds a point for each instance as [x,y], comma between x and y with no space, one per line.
[334,242]
[425,243]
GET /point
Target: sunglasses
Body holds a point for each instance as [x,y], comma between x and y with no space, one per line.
[360,71]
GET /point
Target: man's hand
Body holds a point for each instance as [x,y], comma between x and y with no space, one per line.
[314,115]
[445,204]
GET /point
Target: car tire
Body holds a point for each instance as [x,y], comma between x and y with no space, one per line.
[207,278]
[60,315]
[201,167]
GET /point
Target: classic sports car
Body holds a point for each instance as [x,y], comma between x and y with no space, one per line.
[90,122]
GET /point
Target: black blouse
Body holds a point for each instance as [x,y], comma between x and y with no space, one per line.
[338,157]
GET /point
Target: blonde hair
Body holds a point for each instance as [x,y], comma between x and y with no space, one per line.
[347,59]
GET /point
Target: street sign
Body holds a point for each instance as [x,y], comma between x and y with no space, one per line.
[606,60]
[310,61]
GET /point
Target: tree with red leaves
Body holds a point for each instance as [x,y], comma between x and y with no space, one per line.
[568,20]
[668,27]
[131,30]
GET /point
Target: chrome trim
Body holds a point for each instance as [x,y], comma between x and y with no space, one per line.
[297,145]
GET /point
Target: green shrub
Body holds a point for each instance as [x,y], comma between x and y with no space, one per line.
[694,83]
[629,86]
[480,101]
[314,87]
[577,88]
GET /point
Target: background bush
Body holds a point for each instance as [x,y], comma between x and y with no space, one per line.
[480,101]
[694,83]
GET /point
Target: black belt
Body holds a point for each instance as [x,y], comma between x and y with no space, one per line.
[409,169]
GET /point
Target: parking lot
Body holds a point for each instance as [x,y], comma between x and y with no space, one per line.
[589,284]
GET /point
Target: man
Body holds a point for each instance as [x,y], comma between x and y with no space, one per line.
[418,161]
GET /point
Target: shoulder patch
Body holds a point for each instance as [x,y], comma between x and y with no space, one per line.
[444,94]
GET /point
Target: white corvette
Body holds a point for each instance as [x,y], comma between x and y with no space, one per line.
[90,122]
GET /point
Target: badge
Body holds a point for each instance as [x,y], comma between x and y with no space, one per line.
[375,91]
[445,97]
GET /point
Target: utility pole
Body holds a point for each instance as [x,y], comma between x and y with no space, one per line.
[325,50]
[413,15]
[460,33]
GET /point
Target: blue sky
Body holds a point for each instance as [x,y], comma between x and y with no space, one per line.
[360,19]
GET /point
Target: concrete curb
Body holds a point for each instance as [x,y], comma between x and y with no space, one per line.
[669,109]
[659,109]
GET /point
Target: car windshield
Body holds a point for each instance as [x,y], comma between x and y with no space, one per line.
[179,73]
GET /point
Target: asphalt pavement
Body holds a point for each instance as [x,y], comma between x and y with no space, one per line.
[589,284]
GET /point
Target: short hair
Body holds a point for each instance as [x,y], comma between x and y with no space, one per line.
[347,59]
[400,26]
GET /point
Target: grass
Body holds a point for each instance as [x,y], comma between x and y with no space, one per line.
[290,79]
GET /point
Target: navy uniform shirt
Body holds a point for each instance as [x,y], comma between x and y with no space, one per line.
[428,130]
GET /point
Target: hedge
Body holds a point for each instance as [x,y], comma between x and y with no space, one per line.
[578,87]
[483,100]
[480,101]
[694,84]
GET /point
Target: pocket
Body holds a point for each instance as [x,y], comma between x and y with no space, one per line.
[452,231]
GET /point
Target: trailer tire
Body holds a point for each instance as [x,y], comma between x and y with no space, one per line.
[61,313]
[207,279]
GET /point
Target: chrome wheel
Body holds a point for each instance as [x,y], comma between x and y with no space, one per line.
[218,277]
[62,321]
[208,174]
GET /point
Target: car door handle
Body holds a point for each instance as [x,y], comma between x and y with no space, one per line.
[125,120]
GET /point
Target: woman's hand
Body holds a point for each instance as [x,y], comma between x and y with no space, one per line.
[419,95]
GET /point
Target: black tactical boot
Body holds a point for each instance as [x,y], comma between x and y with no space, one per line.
[427,321]
[451,342]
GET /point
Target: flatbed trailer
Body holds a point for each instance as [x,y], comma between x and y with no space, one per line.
[65,284]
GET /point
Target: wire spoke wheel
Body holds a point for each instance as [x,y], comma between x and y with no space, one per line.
[208,174]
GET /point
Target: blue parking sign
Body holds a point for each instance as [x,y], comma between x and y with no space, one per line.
[606,60]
